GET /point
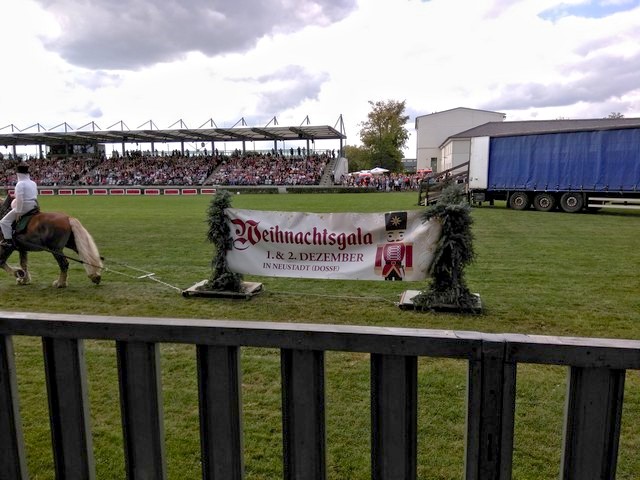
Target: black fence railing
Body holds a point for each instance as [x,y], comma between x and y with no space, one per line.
[592,416]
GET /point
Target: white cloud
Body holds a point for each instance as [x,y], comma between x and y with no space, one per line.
[226,60]
[104,34]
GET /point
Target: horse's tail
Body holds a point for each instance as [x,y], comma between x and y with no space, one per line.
[87,250]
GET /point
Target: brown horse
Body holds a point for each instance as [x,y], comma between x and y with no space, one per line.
[52,232]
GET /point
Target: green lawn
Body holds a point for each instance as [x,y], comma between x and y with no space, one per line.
[543,273]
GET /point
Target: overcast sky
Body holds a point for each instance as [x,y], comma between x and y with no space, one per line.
[142,61]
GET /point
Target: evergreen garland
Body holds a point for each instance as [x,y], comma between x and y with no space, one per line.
[453,253]
[220,235]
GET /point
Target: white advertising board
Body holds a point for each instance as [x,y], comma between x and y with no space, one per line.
[353,246]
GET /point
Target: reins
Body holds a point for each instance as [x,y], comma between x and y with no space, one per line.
[146,273]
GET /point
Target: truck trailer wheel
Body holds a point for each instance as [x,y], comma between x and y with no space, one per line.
[544,202]
[571,202]
[519,201]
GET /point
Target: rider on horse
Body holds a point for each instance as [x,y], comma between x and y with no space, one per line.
[26,199]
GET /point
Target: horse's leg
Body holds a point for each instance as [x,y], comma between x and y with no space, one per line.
[23,277]
[5,253]
[63,263]
[9,269]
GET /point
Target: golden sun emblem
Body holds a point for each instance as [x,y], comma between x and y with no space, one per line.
[395,220]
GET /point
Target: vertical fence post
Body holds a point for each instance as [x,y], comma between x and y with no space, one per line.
[303,414]
[593,411]
[68,407]
[219,386]
[394,414]
[12,458]
[490,414]
[141,406]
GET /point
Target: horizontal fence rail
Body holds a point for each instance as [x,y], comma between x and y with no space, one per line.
[592,420]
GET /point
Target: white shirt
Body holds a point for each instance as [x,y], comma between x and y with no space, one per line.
[26,194]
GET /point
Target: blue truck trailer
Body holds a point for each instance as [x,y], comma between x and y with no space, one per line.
[572,171]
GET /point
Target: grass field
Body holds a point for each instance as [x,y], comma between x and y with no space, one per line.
[544,273]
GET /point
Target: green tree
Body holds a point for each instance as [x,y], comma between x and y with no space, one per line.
[615,115]
[359,158]
[384,133]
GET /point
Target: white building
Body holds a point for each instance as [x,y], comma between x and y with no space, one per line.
[434,129]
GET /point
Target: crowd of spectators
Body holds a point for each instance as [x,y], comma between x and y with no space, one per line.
[131,169]
[173,168]
[138,168]
[151,170]
[270,169]
[387,182]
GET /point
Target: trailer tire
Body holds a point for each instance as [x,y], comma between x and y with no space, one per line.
[544,202]
[519,201]
[571,202]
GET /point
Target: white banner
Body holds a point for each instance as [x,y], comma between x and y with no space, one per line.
[352,246]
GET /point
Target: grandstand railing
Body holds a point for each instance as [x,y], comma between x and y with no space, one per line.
[432,185]
[593,402]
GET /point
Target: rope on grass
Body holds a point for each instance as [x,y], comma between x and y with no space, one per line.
[145,274]
[151,276]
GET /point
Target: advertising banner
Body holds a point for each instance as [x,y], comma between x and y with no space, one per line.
[350,246]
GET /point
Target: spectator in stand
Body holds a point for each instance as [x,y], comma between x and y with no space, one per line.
[269,169]
[133,168]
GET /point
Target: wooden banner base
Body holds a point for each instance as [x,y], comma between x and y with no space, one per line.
[249,290]
[406,303]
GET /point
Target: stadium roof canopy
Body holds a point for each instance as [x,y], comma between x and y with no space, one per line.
[214,134]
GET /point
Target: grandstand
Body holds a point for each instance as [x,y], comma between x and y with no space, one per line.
[78,157]
[73,140]
[136,168]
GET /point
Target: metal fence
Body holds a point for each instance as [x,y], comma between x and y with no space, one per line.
[592,415]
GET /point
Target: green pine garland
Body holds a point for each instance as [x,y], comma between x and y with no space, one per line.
[220,235]
[453,253]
